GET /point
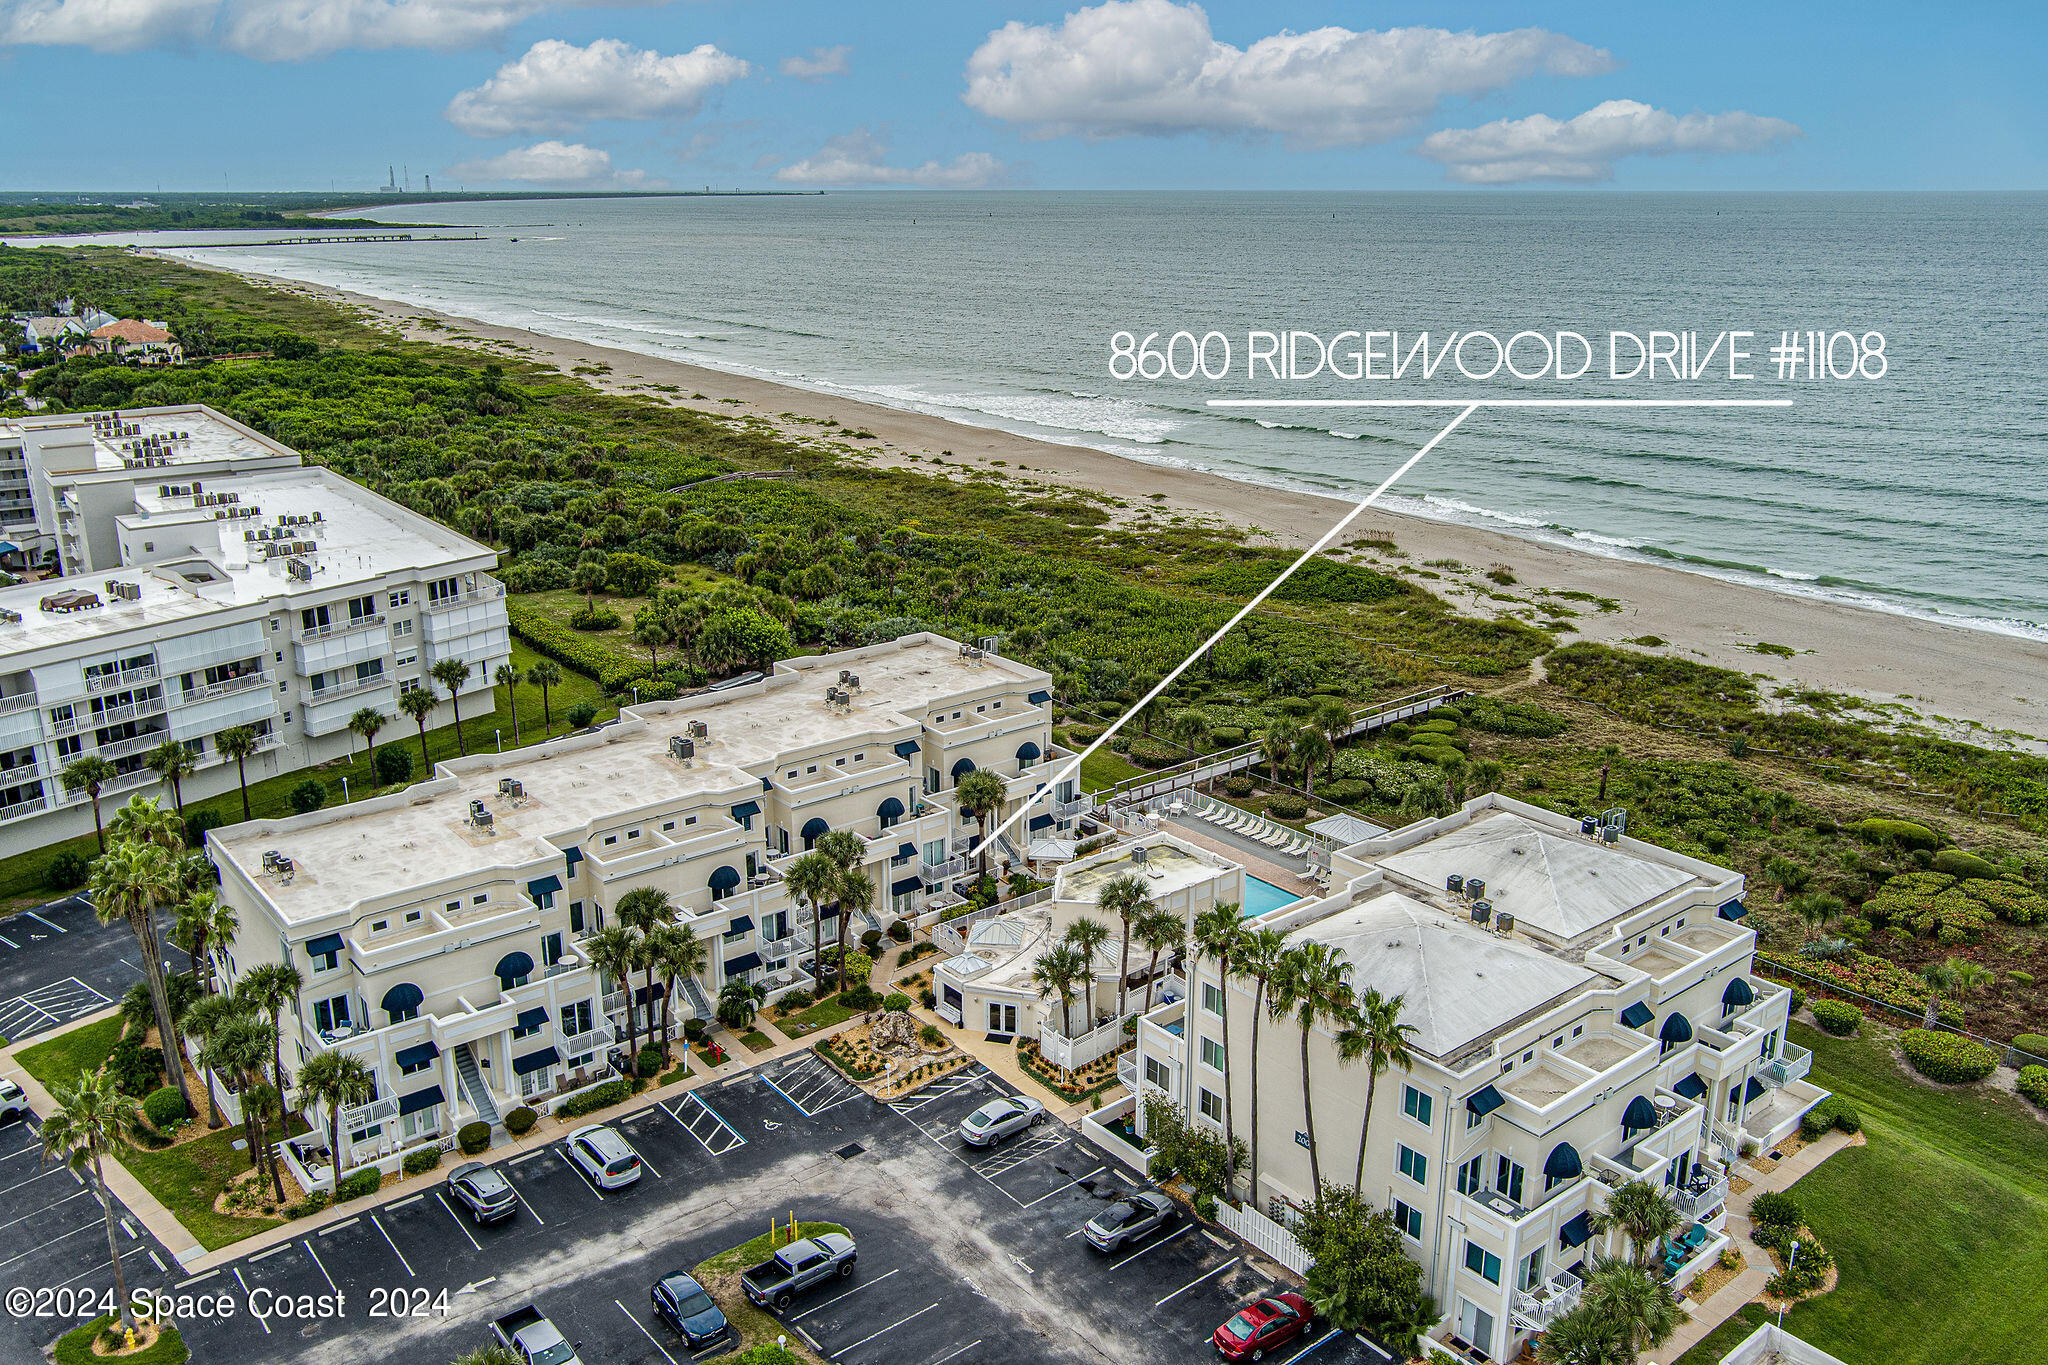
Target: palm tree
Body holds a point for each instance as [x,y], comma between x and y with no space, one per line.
[218,929]
[1312,747]
[268,989]
[1125,897]
[589,579]
[204,1021]
[1058,970]
[1373,1033]
[89,774]
[846,850]
[856,894]
[980,794]
[1608,754]
[507,677]
[1634,1303]
[196,916]
[615,950]
[544,674]
[129,882]
[1158,930]
[1259,958]
[240,1048]
[1275,745]
[452,674]
[1189,729]
[1220,936]
[92,1119]
[419,703]
[1333,718]
[644,908]
[336,1081]
[1643,1214]
[1583,1337]
[1314,985]
[171,761]
[365,724]
[739,1000]
[810,879]
[651,635]
[238,742]
[679,955]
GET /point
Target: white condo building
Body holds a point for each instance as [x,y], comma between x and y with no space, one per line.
[439,927]
[211,579]
[1584,1015]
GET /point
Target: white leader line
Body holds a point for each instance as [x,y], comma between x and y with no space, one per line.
[1329,538]
[1469,403]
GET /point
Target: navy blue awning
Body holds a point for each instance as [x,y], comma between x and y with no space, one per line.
[890,809]
[1639,1114]
[1752,1090]
[1677,1029]
[544,886]
[814,829]
[420,1099]
[741,924]
[905,748]
[1734,910]
[514,965]
[1577,1232]
[745,962]
[1636,1015]
[534,1061]
[402,997]
[1484,1101]
[1039,698]
[1692,1087]
[745,811]
[724,877]
[906,850]
[1039,822]
[905,885]
[1028,751]
[571,857]
[323,945]
[417,1054]
[533,1018]
[963,767]
[1739,994]
[1563,1163]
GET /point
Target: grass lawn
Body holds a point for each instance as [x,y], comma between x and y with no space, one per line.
[1104,769]
[757,1041]
[186,1179]
[75,1346]
[1939,1224]
[559,604]
[21,877]
[58,1061]
[824,1014]
[749,1324]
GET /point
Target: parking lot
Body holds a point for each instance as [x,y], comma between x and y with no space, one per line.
[966,1257]
[58,963]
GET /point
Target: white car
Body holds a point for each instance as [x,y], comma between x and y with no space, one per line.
[1001,1118]
[13,1104]
[606,1157]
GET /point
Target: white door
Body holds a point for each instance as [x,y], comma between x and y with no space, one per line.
[1475,1325]
[1002,1018]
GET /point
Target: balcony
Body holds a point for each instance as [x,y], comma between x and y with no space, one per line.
[225,688]
[1535,1309]
[113,715]
[140,744]
[1697,1205]
[19,701]
[935,873]
[21,808]
[314,696]
[1791,1064]
[308,634]
[576,1044]
[1064,811]
[116,682]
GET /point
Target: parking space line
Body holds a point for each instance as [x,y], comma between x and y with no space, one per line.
[62,1236]
[266,1255]
[401,1203]
[82,1274]
[819,1308]
[45,923]
[961,1351]
[645,1162]
[1146,1251]
[645,1333]
[262,1321]
[1372,1346]
[732,1137]
[320,1266]
[32,1179]
[1318,1342]
[458,1222]
[884,1332]
[588,1183]
[1197,1280]
[205,1275]
[528,1207]
[529,1156]
[337,1227]
[1063,1188]
[394,1247]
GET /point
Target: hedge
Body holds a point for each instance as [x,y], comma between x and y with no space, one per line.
[1902,833]
[1837,1017]
[1286,807]
[590,1101]
[520,1120]
[1831,1113]
[563,645]
[2035,1045]
[75,1346]
[419,1163]
[2034,1084]
[358,1184]
[1957,863]
[165,1108]
[1947,1057]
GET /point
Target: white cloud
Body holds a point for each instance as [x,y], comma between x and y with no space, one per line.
[558,87]
[1154,67]
[857,159]
[269,30]
[817,64]
[564,165]
[1585,148]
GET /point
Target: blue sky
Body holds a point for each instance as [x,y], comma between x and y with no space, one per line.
[273,94]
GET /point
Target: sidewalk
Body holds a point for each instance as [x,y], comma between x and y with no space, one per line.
[1757,1267]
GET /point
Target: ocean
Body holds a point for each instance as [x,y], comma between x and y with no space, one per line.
[1924,492]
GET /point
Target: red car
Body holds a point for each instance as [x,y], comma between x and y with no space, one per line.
[1264,1327]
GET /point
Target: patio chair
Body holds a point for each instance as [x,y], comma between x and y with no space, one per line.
[1695,1237]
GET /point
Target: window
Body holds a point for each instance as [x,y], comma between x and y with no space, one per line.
[453,907]
[1482,1262]
[1413,1164]
[1156,1073]
[575,1019]
[401,629]
[1530,1273]
[412,917]
[326,962]
[378,926]
[550,947]
[443,590]
[1471,1175]
[331,1015]
[480,898]
[575,917]
[1212,1054]
[401,598]
[1508,1178]
[1212,997]
[414,1068]
[1211,1105]
[525,1030]
[1409,1220]
[1416,1105]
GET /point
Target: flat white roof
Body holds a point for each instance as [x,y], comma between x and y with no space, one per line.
[186,436]
[1169,865]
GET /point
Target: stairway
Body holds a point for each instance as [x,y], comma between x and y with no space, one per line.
[700,1007]
[473,1088]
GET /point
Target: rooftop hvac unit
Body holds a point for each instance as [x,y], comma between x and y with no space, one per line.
[9,616]
[300,570]
[681,748]
[127,592]
[512,788]
[852,681]
[1454,884]
[844,675]
[1482,911]
[1475,888]
[478,815]
[1610,834]
[1504,922]
[1138,854]
[699,730]
[1589,825]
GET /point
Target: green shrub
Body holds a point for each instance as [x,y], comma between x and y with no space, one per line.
[895,1000]
[1896,833]
[1398,730]
[358,1184]
[899,931]
[648,1063]
[590,1101]
[1807,1269]
[1433,727]
[582,715]
[473,1137]
[1798,1000]
[308,796]
[930,1035]
[1713,839]
[1154,753]
[861,997]
[1227,736]
[1237,784]
[426,1159]
[198,822]
[1286,807]
[67,871]
[798,999]
[75,1347]
[519,1121]
[310,1205]
[1828,1115]
[1345,791]
[870,939]
[1776,1209]
[2034,1084]
[137,1070]
[550,637]
[1947,1057]
[165,1108]
[1837,1017]
[593,619]
[2020,978]
[1957,863]
[2034,1045]
[1522,719]
[1205,1206]
[393,764]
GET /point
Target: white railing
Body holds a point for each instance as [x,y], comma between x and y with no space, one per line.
[1127,1071]
[1694,1207]
[576,1044]
[939,872]
[1265,1234]
[21,808]
[136,745]
[225,688]
[113,715]
[19,701]
[1072,1054]
[1553,1298]
[1064,811]
[113,682]
[315,695]
[1791,1064]
[307,634]
[141,777]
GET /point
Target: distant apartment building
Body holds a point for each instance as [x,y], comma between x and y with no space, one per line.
[440,929]
[210,579]
[1584,1014]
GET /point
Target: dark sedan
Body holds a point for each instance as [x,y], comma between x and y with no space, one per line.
[682,1303]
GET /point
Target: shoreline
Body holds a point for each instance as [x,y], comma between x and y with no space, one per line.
[1974,684]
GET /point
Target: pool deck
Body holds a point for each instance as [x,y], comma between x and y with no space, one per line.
[1259,864]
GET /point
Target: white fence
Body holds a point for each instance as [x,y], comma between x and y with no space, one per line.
[1266,1235]
[1075,1053]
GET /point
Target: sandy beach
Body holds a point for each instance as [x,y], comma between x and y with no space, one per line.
[1977,685]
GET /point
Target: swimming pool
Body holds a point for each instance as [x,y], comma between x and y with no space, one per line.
[1261,896]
